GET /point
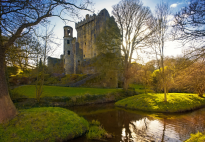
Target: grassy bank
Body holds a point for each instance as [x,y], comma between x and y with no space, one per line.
[29,91]
[24,96]
[43,124]
[198,137]
[176,102]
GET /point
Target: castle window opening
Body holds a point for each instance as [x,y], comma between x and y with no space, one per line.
[78,62]
[84,55]
[85,43]
[68,32]
[94,54]
[68,41]
[68,52]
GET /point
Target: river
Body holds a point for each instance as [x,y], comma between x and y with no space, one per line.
[139,126]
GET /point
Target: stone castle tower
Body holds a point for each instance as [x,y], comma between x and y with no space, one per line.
[87,31]
[82,49]
[72,53]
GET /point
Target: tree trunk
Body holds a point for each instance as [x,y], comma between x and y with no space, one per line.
[126,76]
[125,85]
[7,108]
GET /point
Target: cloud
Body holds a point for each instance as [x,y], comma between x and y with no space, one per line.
[173,5]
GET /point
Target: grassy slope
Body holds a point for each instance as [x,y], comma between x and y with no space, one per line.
[51,91]
[177,102]
[39,124]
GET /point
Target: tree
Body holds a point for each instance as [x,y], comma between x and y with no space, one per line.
[158,41]
[18,18]
[145,76]
[134,21]
[192,78]
[190,26]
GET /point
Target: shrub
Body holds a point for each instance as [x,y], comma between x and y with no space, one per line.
[51,80]
[96,131]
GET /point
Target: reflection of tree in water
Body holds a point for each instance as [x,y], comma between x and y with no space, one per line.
[140,130]
[135,129]
[164,128]
[184,125]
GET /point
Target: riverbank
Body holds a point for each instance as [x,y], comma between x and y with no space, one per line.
[176,102]
[43,124]
[24,96]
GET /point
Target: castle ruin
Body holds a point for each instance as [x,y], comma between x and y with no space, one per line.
[81,49]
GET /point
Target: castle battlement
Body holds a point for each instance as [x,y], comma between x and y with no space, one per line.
[88,19]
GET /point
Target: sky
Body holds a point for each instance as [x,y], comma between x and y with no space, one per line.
[173,48]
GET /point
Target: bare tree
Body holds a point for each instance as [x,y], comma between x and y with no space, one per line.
[18,18]
[133,20]
[192,78]
[190,27]
[44,49]
[158,40]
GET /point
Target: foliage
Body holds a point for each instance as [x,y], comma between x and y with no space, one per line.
[43,124]
[176,102]
[13,70]
[51,80]
[142,74]
[71,78]
[95,122]
[192,78]
[198,137]
[140,88]
[157,80]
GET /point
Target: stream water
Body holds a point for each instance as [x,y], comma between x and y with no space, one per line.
[138,126]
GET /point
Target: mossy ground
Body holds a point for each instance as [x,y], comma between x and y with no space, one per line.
[43,124]
[198,137]
[176,102]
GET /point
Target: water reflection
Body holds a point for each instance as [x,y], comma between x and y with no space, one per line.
[136,126]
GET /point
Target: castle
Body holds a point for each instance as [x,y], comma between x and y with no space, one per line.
[80,50]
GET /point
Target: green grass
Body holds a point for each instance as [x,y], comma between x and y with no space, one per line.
[43,124]
[198,137]
[176,102]
[28,91]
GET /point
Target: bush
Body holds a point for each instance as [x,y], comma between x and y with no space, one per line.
[198,137]
[71,78]
[51,80]
[96,131]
